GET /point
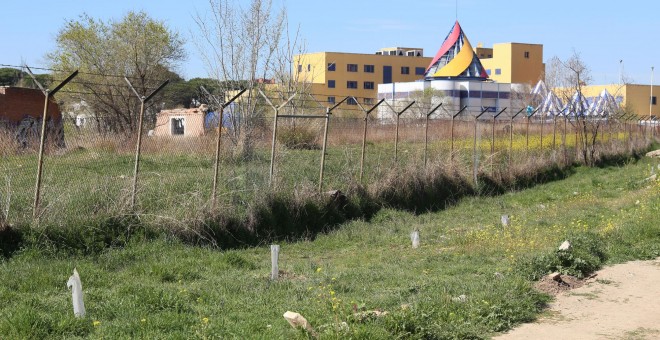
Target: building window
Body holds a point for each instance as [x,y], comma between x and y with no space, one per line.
[369,68]
[368,85]
[653,100]
[405,70]
[351,84]
[490,56]
[299,68]
[498,71]
[351,101]
[331,66]
[488,71]
[309,67]
[420,71]
[331,84]
[331,100]
[351,67]
[369,101]
[526,54]
[178,126]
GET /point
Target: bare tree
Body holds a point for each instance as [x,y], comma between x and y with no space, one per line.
[521,96]
[568,77]
[239,45]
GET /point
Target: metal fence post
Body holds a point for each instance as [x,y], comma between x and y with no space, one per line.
[323,151]
[426,134]
[451,155]
[511,134]
[364,137]
[554,133]
[42,139]
[272,149]
[216,165]
[492,146]
[396,137]
[138,145]
[474,145]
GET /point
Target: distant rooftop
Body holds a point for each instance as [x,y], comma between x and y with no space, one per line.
[402,51]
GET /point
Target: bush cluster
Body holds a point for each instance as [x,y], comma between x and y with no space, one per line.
[298,137]
[586,255]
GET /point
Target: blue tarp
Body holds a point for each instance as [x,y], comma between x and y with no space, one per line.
[211,120]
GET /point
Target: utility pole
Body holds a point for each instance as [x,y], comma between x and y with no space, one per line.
[651,107]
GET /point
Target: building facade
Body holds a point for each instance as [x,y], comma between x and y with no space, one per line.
[455,77]
[633,97]
[475,95]
[515,63]
[336,75]
[181,122]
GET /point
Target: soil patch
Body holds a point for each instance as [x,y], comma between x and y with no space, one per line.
[620,302]
[553,287]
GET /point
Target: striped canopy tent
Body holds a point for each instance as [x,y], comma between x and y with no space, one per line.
[613,105]
[603,105]
[551,105]
[578,106]
[456,59]
[540,90]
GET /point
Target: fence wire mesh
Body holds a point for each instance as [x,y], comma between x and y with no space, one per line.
[92,175]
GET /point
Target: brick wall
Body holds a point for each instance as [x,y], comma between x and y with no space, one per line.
[21,110]
[17,103]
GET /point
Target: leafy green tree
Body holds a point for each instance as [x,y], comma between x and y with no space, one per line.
[138,47]
[187,94]
[15,77]
[9,76]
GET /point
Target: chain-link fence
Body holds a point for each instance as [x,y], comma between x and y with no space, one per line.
[92,174]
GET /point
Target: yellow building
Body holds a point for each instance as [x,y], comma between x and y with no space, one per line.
[634,97]
[336,75]
[515,63]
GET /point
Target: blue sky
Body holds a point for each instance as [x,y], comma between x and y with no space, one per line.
[602,32]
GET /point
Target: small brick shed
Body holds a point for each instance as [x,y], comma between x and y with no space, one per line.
[181,122]
[21,110]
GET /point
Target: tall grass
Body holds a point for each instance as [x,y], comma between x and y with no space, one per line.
[86,187]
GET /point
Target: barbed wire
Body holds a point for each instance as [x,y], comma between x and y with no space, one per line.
[79,72]
[317,100]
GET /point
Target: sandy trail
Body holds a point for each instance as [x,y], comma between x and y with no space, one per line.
[621,302]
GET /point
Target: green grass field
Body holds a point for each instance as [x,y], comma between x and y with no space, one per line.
[174,186]
[164,288]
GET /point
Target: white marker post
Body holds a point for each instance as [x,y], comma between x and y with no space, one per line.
[414,237]
[274,256]
[505,221]
[77,296]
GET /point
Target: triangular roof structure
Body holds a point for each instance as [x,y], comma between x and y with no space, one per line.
[456,59]
[551,105]
[540,89]
[578,106]
[604,104]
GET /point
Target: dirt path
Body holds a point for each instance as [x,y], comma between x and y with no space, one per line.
[621,302]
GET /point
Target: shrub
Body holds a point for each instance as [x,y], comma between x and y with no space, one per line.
[298,137]
[586,255]
[90,237]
